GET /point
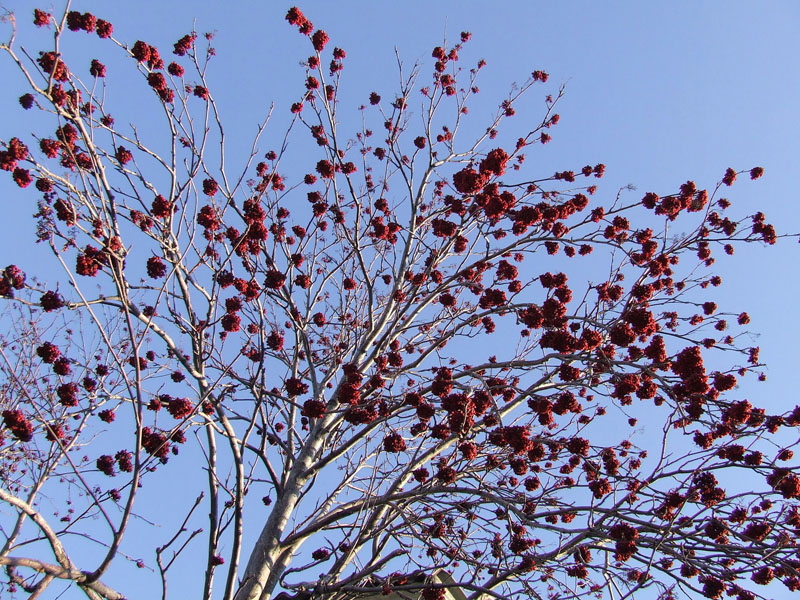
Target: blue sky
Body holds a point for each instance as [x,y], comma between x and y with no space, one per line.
[660,92]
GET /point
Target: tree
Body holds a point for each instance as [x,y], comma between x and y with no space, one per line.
[302,340]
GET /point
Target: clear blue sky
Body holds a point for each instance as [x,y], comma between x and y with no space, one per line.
[660,92]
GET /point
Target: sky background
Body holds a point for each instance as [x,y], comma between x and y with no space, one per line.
[660,92]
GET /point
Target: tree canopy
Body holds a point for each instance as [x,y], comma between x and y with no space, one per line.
[371,355]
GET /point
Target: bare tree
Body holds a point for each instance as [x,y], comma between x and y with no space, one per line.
[367,349]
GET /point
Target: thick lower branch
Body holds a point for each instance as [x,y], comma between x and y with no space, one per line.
[59,572]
